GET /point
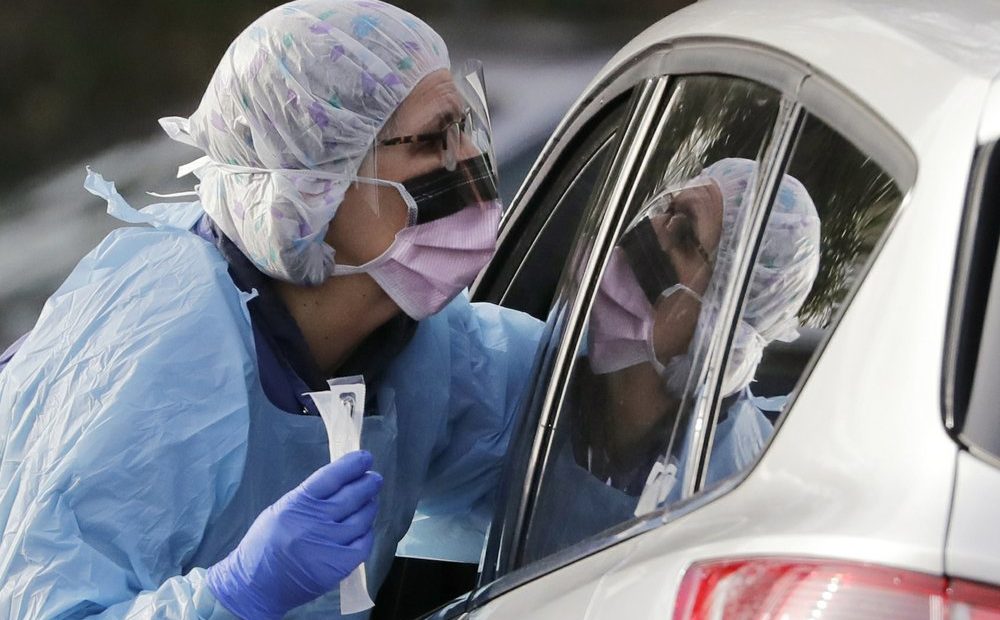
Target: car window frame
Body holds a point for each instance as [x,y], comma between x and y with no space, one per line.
[663,62]
[568,160]
[975,293]
[619,212]
[707,408]
[609,192]
[764,68]
[623,159]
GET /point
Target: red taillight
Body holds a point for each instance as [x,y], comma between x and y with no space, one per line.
[779,589]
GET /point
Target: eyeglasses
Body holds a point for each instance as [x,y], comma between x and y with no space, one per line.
[440,136]
[688,239]
[663,204]
[651,263]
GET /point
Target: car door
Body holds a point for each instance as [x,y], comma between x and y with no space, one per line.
[676,126]
[567,528]
[587,165]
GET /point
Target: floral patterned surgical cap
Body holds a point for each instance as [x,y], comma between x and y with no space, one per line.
[307,86]
[783,275]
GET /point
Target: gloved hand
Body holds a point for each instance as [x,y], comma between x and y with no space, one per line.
[304,544]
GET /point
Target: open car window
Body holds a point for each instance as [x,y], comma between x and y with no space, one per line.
[527,266]
[522,275]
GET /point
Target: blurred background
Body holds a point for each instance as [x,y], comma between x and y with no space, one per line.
[84,83]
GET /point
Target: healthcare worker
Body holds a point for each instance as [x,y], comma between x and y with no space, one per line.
[159,454]
[657,300]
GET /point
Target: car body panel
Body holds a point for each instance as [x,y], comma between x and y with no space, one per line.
[889,45]
[861,468]
[989,127]
[566,593]
[973,550]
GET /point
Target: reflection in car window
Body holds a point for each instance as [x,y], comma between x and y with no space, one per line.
[831,208]
[620,429]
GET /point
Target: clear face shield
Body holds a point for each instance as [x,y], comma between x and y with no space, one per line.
[438,146]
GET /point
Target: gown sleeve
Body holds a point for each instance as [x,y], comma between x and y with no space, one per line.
[492,351]
[123,425]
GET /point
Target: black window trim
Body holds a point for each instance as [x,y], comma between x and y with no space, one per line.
[773,163]
[548,218]
[631,142]
[970,295]
[646,104]
[592,103]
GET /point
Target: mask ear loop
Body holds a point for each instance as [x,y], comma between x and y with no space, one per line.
[411,206]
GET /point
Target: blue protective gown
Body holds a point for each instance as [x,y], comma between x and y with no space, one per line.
[137,444]
[575,504]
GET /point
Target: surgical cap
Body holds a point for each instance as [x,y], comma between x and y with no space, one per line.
[787,264]
[306,87]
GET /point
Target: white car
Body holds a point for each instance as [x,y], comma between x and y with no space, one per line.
[876,494]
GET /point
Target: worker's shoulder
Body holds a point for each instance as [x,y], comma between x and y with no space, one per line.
[484,330]
[148,321]
[160,286]
[162,263]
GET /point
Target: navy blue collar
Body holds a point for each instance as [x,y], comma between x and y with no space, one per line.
[287,368]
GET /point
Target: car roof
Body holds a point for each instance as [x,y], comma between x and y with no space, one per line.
[909,61]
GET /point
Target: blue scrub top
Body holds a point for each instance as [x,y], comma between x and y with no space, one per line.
[286,367]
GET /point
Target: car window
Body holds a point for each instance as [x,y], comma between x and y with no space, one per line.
[828,214]
[622,420]
[528,264]
[616,170]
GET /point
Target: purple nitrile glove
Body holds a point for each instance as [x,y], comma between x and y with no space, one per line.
[304,544]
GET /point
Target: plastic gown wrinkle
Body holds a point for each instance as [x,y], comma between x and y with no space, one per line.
[456,505]
[115,453]
[133,453]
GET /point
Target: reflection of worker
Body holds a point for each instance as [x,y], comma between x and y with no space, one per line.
[158,457]
[649,313]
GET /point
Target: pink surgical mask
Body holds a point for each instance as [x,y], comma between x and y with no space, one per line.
[621,323]
[429,264]
[454,216]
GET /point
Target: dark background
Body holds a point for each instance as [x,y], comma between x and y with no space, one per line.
[78,75]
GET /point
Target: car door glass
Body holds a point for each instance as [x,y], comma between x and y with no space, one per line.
[830,211]
[527,267]
[623,420]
